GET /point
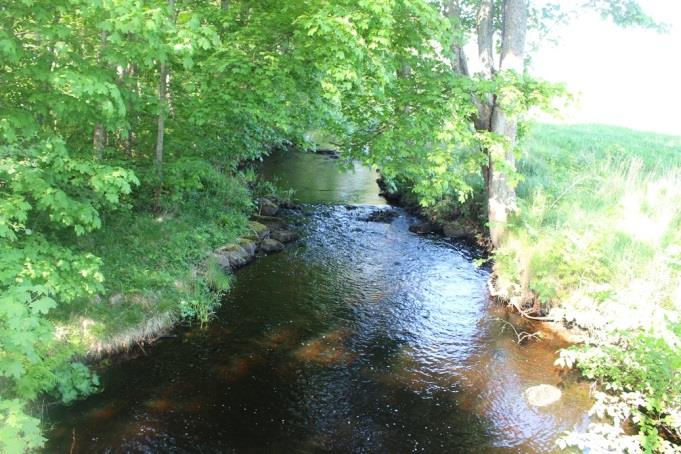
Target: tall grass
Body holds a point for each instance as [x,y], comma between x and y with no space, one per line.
[598,240]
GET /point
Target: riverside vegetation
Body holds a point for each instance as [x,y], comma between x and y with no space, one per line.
[124,131]
[599,244]
[596,247]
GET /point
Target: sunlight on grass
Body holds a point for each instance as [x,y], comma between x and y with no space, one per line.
[599,243]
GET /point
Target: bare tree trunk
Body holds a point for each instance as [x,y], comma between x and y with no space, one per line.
[485,32]
[459,63]
[130,72]
[99,135]
[162,99]
[98,140]
[501,198]
[163,103]
[163,110]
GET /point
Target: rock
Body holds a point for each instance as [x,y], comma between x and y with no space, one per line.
[287,204]
[248,245]
[222,261]
[232,255]
[457,229]
[422,228]
[351,207]
[283,236]
[116,299]
[260,231]
[269,246]
[542,395]
[333,154]
[266,219]
[386,216]
[268,208]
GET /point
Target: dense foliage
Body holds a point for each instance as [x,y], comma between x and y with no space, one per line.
[118,115]
[121,121]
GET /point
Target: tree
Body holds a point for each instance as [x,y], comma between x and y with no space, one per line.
[497,111]
[500,194]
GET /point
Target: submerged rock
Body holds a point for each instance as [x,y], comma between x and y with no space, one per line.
[542,395]
[270,245]
[386,216]
[283,236]
[422,228]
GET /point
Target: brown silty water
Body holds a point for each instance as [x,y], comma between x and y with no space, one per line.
[361,337]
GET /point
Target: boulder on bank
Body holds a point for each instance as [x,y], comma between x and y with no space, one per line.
[268,207]
[289,205]
[266,219]
[283,236]
[269,245]
[542,395]
[259,231]
[458,229]
[233,256]
[248,245]
[329,152]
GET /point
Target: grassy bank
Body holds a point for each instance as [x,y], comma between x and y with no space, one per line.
[152,260]
[598,245]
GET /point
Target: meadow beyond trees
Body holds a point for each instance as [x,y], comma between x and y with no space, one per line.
[126,129]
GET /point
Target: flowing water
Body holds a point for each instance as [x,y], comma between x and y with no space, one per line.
[361,337]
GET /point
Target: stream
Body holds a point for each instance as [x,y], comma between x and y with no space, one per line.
[360,337]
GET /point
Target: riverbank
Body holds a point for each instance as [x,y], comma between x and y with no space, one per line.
[597,246]
[173,268]
[596,250]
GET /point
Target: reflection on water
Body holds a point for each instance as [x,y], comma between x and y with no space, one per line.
[363,337]
[317,179]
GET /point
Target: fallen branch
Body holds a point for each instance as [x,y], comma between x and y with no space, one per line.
[523,335]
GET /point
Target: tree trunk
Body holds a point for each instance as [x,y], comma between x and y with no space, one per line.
[162,100]
[99,135]
[501,198]
[459,63]
[485,32]
[98,140]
